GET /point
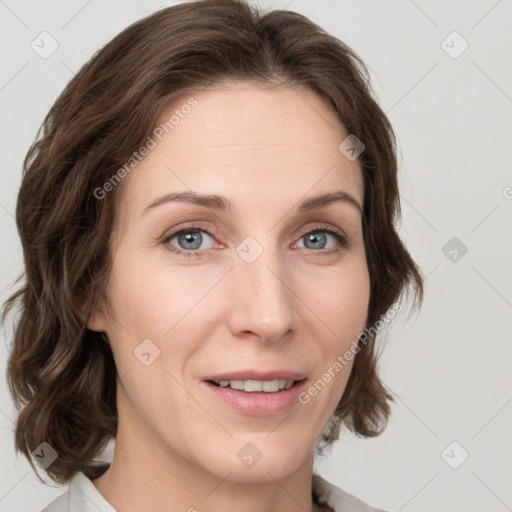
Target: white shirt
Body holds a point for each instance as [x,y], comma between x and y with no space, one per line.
[82,496]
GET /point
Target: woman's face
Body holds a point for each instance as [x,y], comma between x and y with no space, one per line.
[245,292]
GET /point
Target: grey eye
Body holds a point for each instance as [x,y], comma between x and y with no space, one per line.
[190,239]
[317,239]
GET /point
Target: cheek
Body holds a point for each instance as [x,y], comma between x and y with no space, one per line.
[167,304]
[148,296]
[340,301]
[339,297]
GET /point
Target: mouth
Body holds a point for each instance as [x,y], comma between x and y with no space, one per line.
[255,386]
[256,393]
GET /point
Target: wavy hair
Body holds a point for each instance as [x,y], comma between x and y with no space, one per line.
[62,376]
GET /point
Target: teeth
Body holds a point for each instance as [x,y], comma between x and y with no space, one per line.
[250,386]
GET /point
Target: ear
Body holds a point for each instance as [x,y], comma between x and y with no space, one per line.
[90,308]
[94,319]
[97,320]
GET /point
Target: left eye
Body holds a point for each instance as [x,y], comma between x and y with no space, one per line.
[319,237]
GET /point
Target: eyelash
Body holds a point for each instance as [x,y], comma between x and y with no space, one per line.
[199,253]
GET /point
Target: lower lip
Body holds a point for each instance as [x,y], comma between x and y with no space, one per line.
[257,403]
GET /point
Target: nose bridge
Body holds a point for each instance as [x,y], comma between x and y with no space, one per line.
[266,303]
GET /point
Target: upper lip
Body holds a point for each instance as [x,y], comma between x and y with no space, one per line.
[257,375]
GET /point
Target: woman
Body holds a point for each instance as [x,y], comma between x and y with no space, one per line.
[220,368]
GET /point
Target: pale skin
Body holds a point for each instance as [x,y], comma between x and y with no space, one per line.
[297,306]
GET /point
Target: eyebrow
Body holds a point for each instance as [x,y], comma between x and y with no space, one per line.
[220,203]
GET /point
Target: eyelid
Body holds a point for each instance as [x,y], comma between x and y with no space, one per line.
[323,227]
[190,226]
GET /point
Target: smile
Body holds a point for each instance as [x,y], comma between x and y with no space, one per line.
[251,386]
[253,397]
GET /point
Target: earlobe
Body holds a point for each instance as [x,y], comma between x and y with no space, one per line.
[91,313]
[96,321]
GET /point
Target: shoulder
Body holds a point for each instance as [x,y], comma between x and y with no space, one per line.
[338,499]
[59,504]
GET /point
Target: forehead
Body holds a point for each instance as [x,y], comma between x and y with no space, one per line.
[249,143]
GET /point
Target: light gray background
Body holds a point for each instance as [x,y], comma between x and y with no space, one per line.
[450,365]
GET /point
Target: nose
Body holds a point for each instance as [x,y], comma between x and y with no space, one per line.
[262,302]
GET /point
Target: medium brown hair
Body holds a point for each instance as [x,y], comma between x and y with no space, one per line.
[61,374]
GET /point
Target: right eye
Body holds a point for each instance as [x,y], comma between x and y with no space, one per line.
[189,240]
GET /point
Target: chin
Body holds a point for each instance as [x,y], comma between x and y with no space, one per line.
[259,457]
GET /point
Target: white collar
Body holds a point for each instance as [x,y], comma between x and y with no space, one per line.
[82,496]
